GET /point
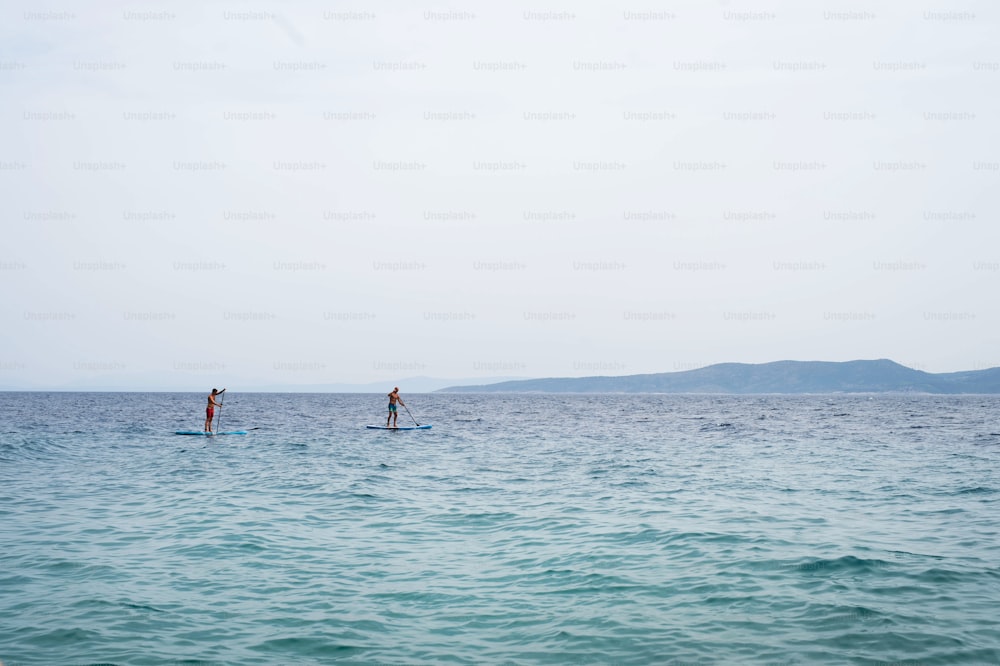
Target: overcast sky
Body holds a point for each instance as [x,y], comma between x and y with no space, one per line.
[199,194]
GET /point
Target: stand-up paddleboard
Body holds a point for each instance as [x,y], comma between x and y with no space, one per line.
[420,427]
[210,434]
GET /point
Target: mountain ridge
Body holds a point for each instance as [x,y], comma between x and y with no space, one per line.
[791,377]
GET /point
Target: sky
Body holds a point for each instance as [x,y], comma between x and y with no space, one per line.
[263,195]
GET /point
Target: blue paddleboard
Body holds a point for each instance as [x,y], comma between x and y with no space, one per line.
[422,427]
[210,434]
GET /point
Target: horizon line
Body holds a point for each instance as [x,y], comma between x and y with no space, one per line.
[463,382]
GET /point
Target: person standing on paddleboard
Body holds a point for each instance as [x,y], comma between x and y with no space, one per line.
[210,410]
[393,412]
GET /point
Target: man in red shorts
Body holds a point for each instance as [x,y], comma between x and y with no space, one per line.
[210,410]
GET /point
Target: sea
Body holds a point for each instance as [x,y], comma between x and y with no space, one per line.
[519,529]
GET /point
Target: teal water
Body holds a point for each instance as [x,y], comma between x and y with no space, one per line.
[521,529]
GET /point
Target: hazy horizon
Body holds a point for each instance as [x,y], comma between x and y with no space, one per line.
[409,385]
[217,194]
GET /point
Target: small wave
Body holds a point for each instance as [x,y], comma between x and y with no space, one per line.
[15,580]
[31,448]
[845,564]
[141,607]
[65,636]
[717,427]
[939,512]
[939,575]
[978,490]
[312,647]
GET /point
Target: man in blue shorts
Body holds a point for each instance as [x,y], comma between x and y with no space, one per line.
[393,413]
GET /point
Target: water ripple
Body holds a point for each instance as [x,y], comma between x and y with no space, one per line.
[658,529]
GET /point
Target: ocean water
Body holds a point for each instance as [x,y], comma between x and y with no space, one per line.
[526,529]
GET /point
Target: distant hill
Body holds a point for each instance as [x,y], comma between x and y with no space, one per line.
[879,376]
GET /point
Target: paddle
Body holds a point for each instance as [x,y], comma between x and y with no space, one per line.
[411,415]
[218,423]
